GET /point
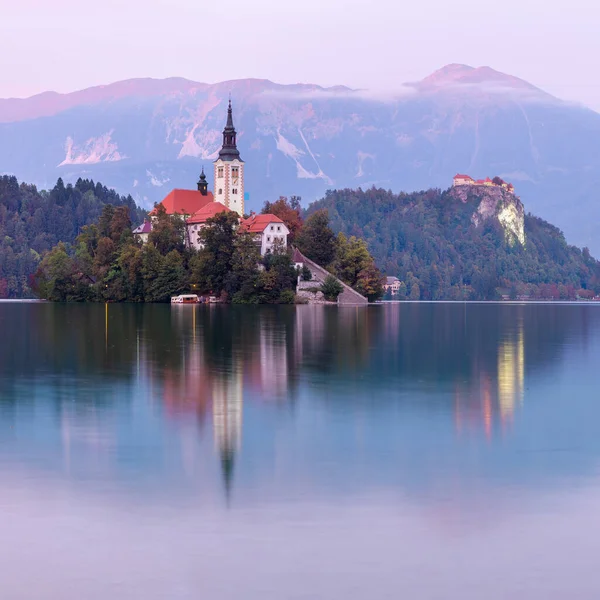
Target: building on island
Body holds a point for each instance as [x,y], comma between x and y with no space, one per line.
[392,285]
[460,179]
[198,220]
[195,207]
[143,231]
[268,231]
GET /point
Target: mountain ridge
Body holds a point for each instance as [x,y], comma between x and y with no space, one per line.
[149,136]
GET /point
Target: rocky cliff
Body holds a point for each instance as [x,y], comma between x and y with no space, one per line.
[495,203]
[465,243]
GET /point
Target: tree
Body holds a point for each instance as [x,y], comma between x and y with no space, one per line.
[306,273]
[370,282]
[281,274]
[168,232]
[290,212]
[213,263]
[53,279]
[415,292]
[402,291]
[241,284]
[352,256]
[105,220]
[331,288]
[120,226]
[317,240]
[130,263]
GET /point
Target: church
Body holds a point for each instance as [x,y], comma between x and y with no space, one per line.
[197,206]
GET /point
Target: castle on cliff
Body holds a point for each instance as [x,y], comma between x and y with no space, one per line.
[496,182]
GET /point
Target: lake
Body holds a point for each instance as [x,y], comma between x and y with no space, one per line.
[419,451]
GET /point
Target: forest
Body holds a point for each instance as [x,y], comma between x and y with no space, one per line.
[428,241]
[33,221]
[79,236]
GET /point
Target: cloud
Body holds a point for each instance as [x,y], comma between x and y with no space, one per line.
[341,93]
[499,89]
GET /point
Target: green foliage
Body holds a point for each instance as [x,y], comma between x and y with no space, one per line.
[168,232]
[211,266]
[331,288]
[306,273]
[355,266]
[427,239]
[316,240]
[32,222]
[242,281]
[107,264]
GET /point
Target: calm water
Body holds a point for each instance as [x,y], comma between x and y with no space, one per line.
[411,451]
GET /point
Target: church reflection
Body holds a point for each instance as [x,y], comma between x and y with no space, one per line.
[214,362]
[157,374]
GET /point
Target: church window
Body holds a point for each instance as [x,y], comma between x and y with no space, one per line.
[234,171]
[220,191]
[272,228]
[234,191]
[268,238]
[278,227]
[220,172]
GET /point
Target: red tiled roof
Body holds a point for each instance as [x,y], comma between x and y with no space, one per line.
[185,202]
[208,211]
[258,223]
[480,181]
[463,177]
[488,180]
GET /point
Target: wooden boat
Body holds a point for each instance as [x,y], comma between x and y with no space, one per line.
[185,299]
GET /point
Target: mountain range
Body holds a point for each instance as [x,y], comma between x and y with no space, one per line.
[147,136]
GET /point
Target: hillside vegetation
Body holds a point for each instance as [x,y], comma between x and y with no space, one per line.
[428,240]
[32,222]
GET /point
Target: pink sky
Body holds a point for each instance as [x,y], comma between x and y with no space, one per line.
[66,45]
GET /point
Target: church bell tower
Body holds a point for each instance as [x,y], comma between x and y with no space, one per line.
[203,184]
[229,170]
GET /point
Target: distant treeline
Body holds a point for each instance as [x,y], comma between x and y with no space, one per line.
[428,241]
[33,221]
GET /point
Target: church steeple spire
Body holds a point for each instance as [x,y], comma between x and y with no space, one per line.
[229,169]
[229,150]
[202,183]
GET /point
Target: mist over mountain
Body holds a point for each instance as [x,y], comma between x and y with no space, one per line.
[146,136]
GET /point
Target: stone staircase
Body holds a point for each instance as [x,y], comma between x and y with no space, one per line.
[348,297]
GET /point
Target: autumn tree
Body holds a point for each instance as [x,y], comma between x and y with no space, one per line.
[289,211]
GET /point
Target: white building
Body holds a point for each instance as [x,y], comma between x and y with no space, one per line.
[143,231]
[197,221]
[269,231]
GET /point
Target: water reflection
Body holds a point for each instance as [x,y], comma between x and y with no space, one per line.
[492,396]
[132,393]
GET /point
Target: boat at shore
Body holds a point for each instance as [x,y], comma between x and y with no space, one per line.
[185,299]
